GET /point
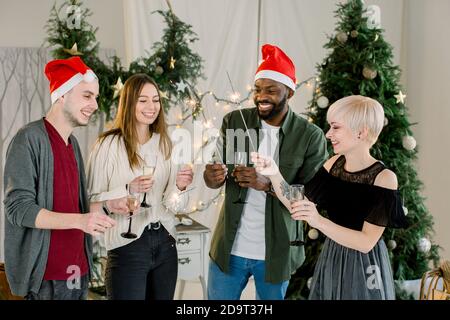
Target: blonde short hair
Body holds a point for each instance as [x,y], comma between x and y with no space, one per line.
[359,113]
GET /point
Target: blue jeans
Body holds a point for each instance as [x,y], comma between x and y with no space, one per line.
[229,286]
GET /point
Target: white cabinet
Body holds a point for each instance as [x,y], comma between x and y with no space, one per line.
[193,259]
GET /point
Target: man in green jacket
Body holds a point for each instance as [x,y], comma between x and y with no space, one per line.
[48,226]
[253,236]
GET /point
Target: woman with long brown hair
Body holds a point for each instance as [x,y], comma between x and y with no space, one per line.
[142,262]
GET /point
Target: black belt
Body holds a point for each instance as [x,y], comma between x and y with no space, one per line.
[154,226]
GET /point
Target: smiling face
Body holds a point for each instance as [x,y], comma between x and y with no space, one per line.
[80,103]
[148,105]
[354,121]
[270,98]
[342,137]
[140,112]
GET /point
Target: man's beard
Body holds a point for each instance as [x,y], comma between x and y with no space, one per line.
[74,122]
[276,108]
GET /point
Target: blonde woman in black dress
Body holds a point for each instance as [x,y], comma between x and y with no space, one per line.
[361,199]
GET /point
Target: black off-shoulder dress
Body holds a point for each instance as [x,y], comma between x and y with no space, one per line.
[350,199]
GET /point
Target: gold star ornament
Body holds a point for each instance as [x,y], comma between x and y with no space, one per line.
[117,88]
[172,63]
[73,51]
[400,97]
[163,95]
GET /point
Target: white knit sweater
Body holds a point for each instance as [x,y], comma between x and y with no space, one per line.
[108,172]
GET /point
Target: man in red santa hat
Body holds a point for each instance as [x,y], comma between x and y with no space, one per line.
[48,226]
[255,234]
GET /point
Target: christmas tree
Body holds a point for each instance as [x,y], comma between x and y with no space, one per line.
[172,64]
[70,34]
[360,63]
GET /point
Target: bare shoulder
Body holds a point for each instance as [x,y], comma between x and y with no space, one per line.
[386,179]
[329,163]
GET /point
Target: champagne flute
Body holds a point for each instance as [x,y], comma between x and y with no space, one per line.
[296,193]
[133,204]
[240,160]
[148,170]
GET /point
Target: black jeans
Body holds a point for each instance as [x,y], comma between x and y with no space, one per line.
[145,269]
[61,290]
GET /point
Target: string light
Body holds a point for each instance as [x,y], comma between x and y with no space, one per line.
[196,109]
[175,200]
[196,100]
[235,97]
[202,206]
[208,124]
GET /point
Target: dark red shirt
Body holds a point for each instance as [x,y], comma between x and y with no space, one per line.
[66,246]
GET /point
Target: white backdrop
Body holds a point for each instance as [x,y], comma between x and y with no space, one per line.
[228,35]
[428,81]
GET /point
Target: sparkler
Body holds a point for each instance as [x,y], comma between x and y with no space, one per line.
[242,115]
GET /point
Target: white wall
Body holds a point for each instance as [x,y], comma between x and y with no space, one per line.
[428,90]
[227,32]
[22,22]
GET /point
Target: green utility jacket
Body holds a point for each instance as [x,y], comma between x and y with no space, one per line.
[302,151]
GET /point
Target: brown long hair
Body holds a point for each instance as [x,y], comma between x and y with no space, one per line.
[125,121]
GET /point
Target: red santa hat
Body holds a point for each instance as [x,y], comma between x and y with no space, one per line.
[65,74]
[276,65]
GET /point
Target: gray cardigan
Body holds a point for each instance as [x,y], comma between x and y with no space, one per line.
[28,181]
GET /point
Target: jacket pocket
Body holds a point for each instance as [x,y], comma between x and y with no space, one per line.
[289,166]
